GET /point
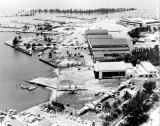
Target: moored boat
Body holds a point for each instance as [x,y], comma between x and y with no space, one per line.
[32,87]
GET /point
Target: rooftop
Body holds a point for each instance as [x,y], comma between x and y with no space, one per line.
[109,42]
[111,66]
[96,32]
[17,123]
[148,66]
[129,65]
[99,36]
[102,54]
[140,20]
[45,122]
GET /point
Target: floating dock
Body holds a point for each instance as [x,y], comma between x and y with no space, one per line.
[9,43]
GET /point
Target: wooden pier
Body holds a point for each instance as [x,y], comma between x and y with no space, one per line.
[18,48]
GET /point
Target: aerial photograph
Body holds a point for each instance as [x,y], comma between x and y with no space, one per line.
[79,63]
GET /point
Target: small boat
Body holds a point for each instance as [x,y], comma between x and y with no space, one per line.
[17,32]
[24,86]
[2,116]
[32,87]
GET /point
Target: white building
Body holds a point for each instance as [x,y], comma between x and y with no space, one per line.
[113,70]
[130,71]
[149,68]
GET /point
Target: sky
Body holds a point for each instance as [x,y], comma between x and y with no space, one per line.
[13,5]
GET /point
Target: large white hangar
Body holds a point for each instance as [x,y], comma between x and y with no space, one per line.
[110,69]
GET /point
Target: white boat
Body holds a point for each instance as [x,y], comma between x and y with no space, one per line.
[24,86]
[17,32]
[32,87]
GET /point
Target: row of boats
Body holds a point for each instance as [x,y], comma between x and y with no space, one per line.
[32,87]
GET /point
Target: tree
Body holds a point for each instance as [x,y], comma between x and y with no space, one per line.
[15,41]
[127,95]
[138,116]
[50,54]
[118,111]
[105,123]
[115,115]
[149,86]
[155,97]
[155,29]
[28,45]
[121,124]
[159,29]
[106,106]
[115,105]
[67,52]
[119,101]
[135,35]
[20,37]
[54,44]
[75,54]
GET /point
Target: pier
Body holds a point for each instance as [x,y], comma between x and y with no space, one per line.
[18,48]
[51,64]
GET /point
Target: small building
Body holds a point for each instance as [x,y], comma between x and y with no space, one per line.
[140,71]
[110,70]
[140,22]
[150,69]
[130,72]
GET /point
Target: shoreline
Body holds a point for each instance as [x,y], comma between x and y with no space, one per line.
[81,76]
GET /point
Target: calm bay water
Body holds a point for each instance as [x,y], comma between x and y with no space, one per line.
[15,67]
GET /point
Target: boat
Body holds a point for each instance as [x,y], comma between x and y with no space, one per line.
[2,116]
[17,32]
[24,86]
[32,87]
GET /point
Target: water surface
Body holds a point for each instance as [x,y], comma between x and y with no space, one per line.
[15,67]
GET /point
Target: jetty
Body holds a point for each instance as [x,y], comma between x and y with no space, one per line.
[45,82]
[49,63]
[9,43]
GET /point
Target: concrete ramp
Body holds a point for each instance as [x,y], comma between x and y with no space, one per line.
[47,82]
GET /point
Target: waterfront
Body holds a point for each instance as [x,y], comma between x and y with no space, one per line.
[15,67]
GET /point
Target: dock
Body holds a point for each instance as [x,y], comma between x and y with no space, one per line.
[51,64]
[45,82]
[24,51]
[9,43]
[5,113]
